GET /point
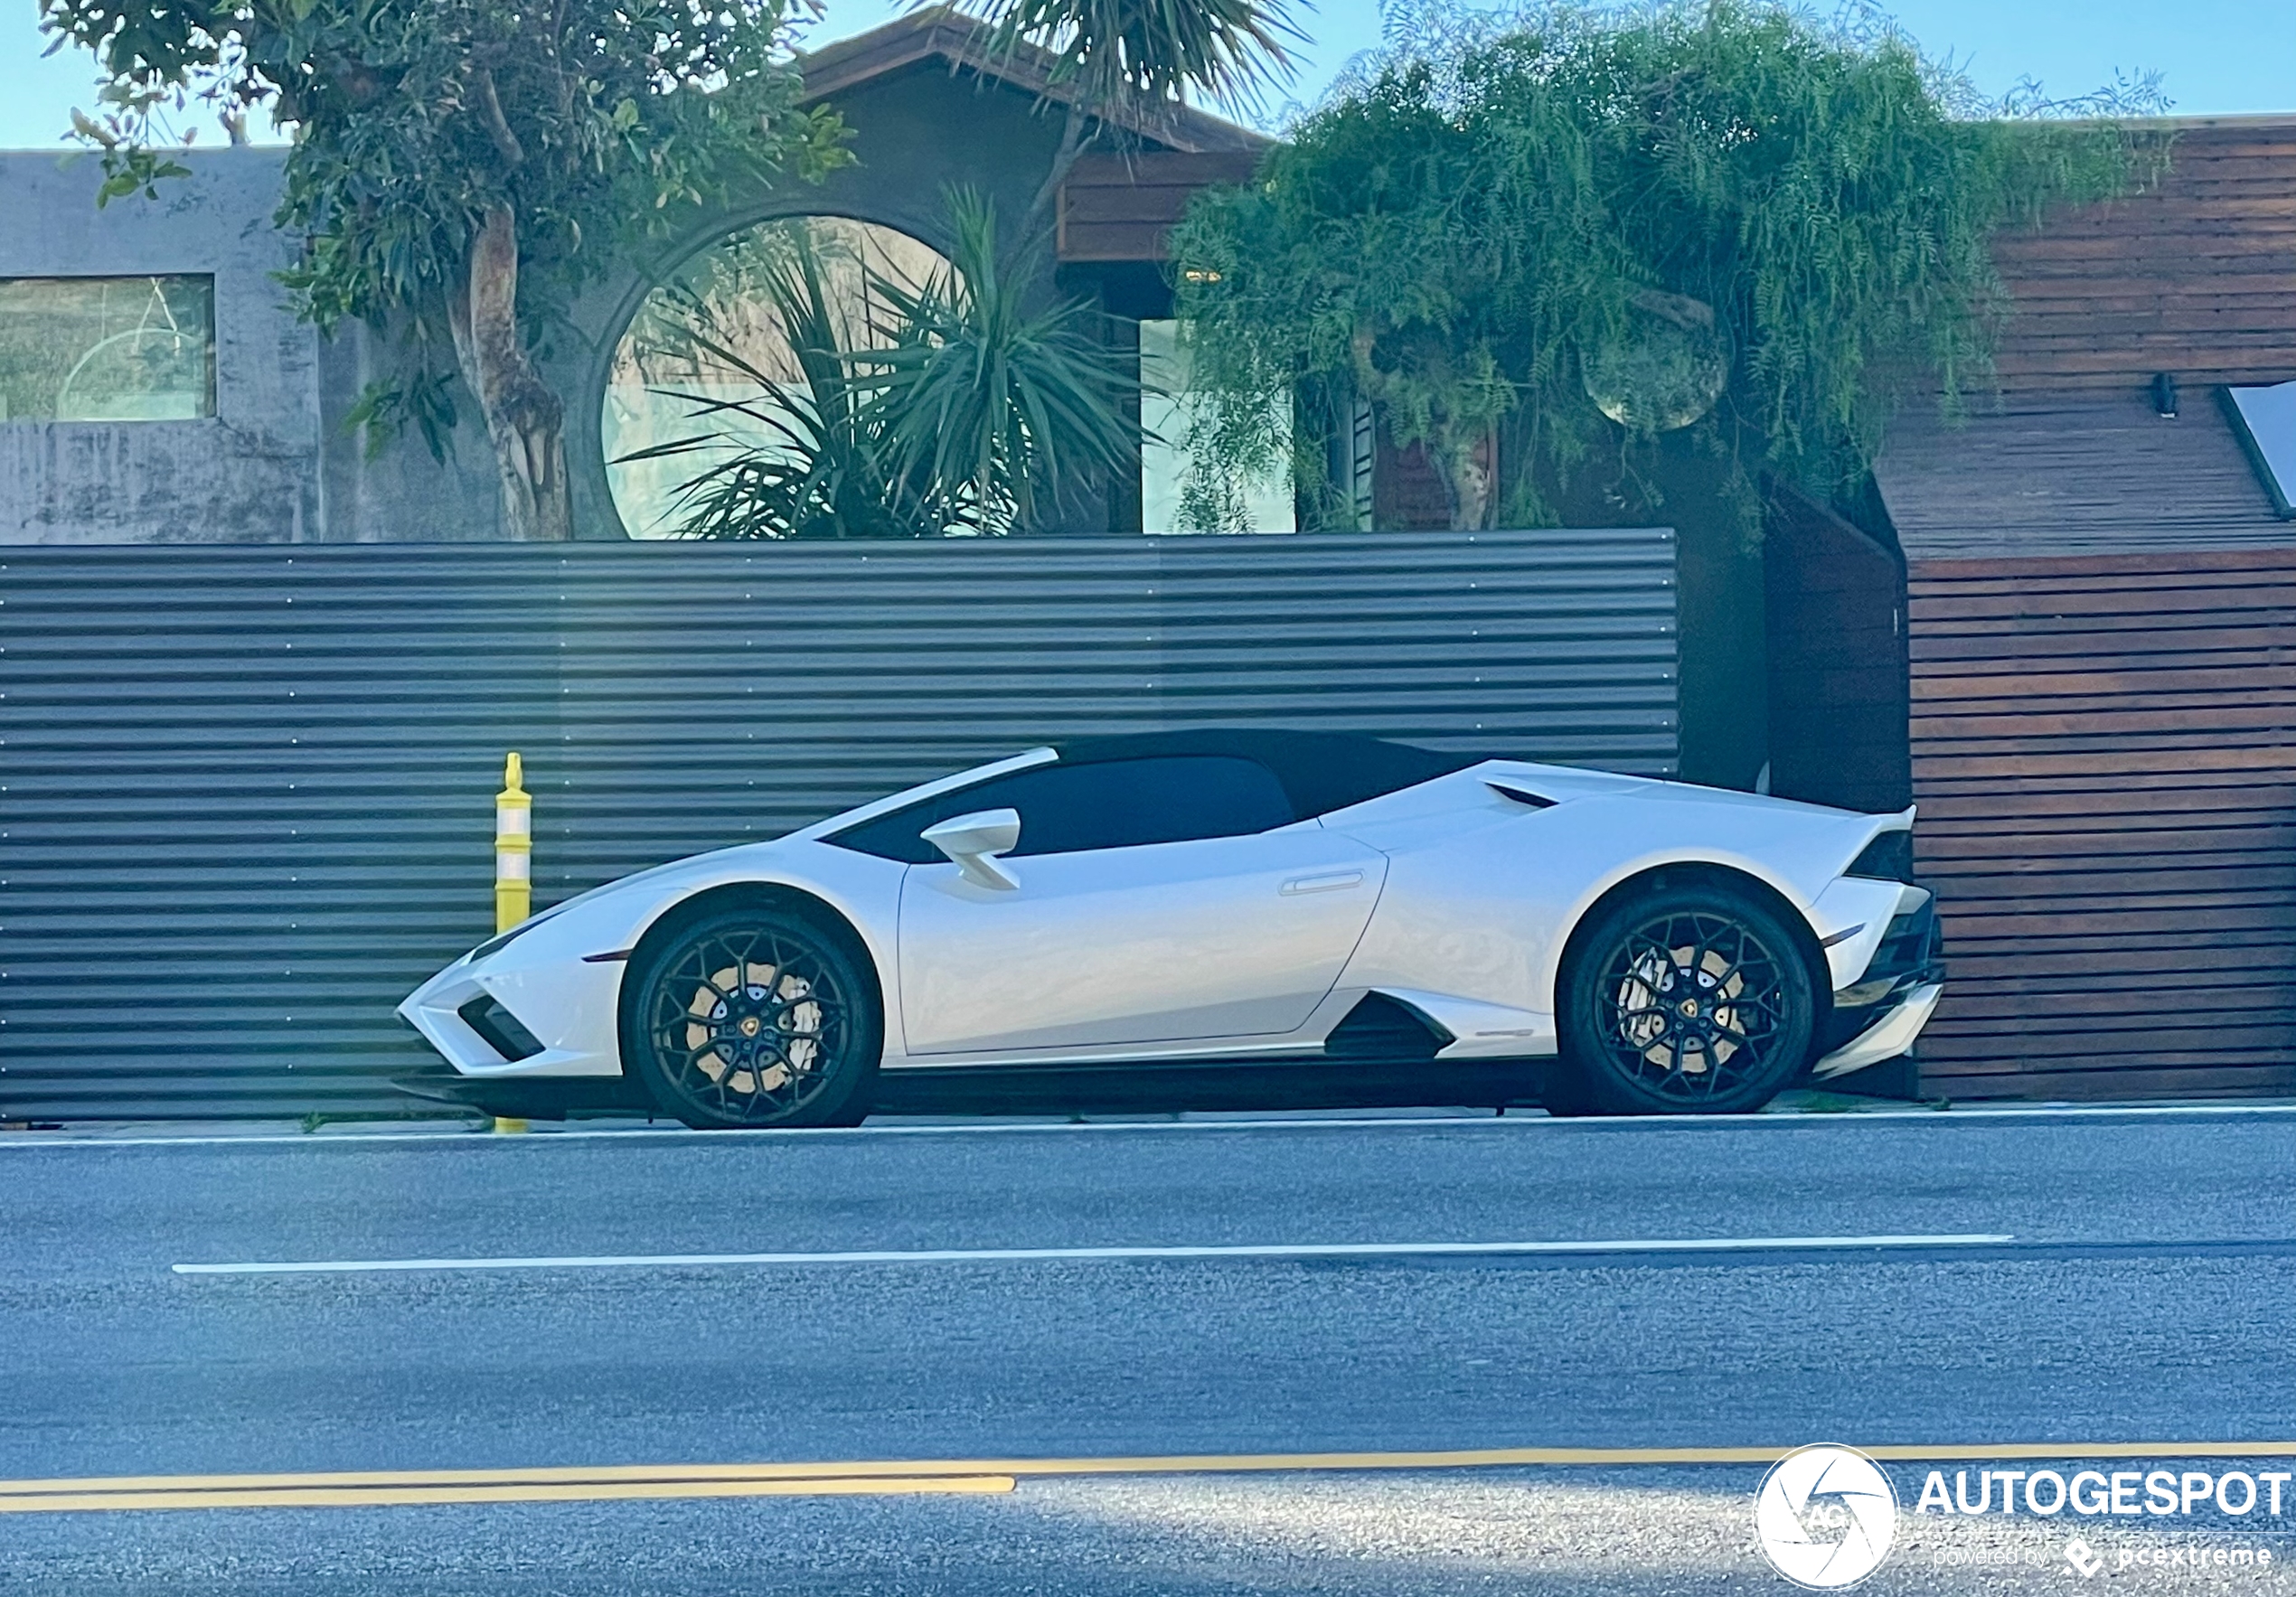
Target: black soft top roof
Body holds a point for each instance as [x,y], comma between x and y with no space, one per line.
[1320,771]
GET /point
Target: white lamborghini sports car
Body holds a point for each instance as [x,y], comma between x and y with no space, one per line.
[1221,901]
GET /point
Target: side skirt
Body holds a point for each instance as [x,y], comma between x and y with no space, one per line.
[1166,1087]
[1171,1087]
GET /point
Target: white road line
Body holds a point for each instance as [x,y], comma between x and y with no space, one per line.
[1526,1121]
[971,1255]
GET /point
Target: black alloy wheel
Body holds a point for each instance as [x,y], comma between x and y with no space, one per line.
[753,1016]
[1691,1000]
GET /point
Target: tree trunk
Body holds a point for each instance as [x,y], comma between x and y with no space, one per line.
[1469,470]
[525,421]
[1047,195]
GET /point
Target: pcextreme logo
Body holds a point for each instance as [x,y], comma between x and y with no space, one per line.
[1825,1516]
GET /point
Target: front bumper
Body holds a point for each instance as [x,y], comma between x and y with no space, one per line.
[1879,1016]
[526,1097]
[537,1008]
[1890,1035]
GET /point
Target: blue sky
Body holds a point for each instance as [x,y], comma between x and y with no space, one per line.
[2214,55]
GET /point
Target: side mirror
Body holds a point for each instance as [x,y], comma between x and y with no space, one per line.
[973,842]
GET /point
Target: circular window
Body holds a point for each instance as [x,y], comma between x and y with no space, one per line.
[709,368]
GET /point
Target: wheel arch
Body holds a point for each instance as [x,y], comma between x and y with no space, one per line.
[1709,873]
[834,926]
[831,920]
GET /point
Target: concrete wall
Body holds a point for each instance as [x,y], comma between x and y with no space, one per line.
[249,474]
[399,494]
[273,464]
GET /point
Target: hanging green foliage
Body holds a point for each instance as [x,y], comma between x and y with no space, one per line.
[1531,240]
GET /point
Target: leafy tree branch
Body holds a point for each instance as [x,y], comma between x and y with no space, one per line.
[1532,239]
[461,166]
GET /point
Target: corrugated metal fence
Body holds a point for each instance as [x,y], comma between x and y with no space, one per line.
[245,792]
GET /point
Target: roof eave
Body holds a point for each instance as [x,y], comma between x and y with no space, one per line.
[961,41]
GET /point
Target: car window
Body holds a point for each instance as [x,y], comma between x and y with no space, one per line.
[1067,809]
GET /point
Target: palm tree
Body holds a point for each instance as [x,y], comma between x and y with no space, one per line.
[958,409]
[1008,411]
[805,459]
[1142,56]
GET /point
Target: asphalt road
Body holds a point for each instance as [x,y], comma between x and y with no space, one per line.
[2100,1280]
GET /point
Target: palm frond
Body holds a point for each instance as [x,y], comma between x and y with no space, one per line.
[960,407]
[1154,53]
[1014,410]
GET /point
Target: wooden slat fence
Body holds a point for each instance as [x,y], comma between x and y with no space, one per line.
[2104,755]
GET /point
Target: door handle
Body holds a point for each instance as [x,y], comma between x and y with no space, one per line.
[1330,881]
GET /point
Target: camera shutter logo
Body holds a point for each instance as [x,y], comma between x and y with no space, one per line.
[1825,1516]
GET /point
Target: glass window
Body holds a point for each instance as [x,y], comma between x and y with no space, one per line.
[1175,494]
[1106,804]
[2265,418]
[700,341]
[107,349]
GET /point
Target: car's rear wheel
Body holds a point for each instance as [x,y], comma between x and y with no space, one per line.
[1687,999]
[754,1015]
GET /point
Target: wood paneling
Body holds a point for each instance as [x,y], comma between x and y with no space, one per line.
[1120,207]
[1407,492]
[2196,276]
[2104,754]
[1837,661]
[2074,472]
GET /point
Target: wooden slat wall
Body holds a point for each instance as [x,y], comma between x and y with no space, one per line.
[1118,208]
[1408,492]
[2196,276]
[2104,754]
[1837,647]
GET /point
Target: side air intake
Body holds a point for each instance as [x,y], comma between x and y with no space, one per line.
[504,1032]
[1888,858]
[1380,1027]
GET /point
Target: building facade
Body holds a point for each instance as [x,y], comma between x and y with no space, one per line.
[221,418]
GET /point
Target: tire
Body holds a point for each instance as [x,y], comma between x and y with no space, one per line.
[751,1016]
[1686,1000]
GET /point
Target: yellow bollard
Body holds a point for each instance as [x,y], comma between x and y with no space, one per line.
[513,849]
[514,868]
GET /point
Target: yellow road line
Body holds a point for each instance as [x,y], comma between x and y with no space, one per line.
[2088,1449]
[530,1491]
[571,1475]
[600,1482]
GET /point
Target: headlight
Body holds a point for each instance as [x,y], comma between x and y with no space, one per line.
[493,945]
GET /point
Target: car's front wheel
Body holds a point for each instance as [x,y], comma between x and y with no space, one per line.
[754,1015]
[1693,999]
